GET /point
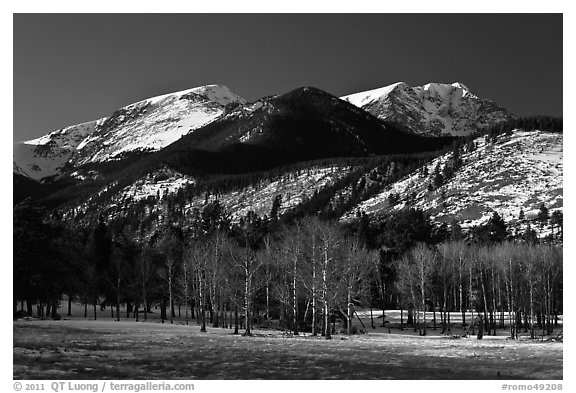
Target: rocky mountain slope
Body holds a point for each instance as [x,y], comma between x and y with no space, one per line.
[431,109]
[516,172]
[148,125]
[150,193]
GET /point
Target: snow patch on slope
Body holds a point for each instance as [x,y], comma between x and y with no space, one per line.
[293,187]
[160,183]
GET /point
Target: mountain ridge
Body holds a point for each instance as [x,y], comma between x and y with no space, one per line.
[153,123]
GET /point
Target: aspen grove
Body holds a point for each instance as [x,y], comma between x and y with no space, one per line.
[307,275]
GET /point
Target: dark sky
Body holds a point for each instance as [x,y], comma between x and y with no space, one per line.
[73,68]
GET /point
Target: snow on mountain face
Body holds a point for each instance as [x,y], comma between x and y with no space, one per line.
[293,187]
[45,156]
[432,109]
[147,125]
[518,172]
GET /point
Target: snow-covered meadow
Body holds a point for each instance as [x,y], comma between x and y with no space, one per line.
[87,349]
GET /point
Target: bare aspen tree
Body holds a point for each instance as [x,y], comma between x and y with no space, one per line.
[186,268]
[406,283]
[249,265]
[423,258]
[310,274]
[267,256]
[145,271]
[529,260]
[292,254]
[358,264]
[332,284]
[197,254]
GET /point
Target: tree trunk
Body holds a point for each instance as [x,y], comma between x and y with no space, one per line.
[186,296]
[314,307]
[327,333]
[171,303]
[485,303]
[163,309]
[294,298]
[531,308]
[144,303]
[267,302]
[423,294]
[462,309]
[201,302]
[54,313]
[494,311]
[349,312]
[480,329]
[69,306]
[118,299]
[202,318]
[236,319]
[247,332]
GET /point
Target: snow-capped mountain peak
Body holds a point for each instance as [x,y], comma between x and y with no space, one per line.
[146,125]
[431,109]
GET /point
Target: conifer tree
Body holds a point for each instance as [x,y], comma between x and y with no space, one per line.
[556,220]
[543,215]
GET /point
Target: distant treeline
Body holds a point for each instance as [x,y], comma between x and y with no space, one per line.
[528,123]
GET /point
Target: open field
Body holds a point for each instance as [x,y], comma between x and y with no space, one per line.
[86,349]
